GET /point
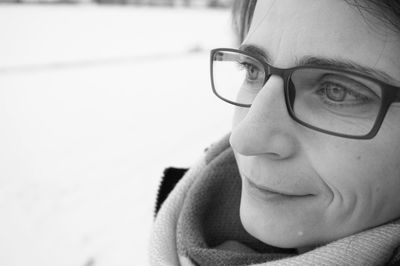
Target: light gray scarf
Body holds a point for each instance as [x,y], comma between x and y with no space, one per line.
[199,225]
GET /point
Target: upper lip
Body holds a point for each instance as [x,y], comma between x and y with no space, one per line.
[261,187]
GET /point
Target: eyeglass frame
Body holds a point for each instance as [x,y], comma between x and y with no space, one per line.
[390,93]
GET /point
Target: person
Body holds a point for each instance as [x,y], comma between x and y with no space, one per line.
[310,172]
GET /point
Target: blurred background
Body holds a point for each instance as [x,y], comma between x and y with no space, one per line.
[97,97]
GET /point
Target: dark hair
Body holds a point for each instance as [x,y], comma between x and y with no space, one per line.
[387,11]
[242,14]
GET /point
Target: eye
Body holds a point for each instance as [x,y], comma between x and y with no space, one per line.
[253,73]
[334,92]
[344,91]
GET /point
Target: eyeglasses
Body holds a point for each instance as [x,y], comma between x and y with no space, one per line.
[333,101]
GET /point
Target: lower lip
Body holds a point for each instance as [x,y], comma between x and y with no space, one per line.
[267,195]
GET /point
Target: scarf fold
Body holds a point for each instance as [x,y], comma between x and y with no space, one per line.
[199,224]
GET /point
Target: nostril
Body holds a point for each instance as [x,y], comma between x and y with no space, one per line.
[273,155]
[241,142]
[234,143]
[274,144]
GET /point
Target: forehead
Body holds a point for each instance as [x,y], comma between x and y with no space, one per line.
[291,29]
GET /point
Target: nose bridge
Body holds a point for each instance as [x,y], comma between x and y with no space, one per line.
[270,70]
[270,101]
[264,129]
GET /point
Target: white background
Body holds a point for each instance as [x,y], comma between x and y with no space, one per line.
[94,103]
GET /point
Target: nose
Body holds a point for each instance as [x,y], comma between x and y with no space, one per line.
[266,128]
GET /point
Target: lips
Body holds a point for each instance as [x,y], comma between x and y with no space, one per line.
[267,190]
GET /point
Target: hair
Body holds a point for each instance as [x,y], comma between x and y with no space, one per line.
[242,15]
[387,11]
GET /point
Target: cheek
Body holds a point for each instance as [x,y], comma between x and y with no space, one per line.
[238,115]
[364,179]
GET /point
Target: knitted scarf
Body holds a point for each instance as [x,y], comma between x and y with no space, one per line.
[199,224]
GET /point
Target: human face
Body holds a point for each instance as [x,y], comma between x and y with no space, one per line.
[303,188]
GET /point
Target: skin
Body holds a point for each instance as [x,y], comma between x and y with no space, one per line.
[341,186]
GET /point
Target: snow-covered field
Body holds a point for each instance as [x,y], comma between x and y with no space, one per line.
[94,103]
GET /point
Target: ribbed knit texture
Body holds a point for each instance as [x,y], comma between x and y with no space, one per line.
[210,216]
[199,225]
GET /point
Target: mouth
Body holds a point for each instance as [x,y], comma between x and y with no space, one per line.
[267,193]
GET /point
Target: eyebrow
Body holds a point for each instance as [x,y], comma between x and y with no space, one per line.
[324,62]
[257,51]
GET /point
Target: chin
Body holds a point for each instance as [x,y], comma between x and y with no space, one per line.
[274,231]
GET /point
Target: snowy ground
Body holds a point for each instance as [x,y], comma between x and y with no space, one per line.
[94,103]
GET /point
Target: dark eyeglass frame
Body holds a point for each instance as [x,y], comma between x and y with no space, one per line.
[389,95]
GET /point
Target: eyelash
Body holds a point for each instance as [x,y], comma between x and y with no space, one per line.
[360,98]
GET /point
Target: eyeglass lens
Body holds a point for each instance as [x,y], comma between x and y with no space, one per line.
[327,99]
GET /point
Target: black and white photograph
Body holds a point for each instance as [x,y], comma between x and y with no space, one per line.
[199,132]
